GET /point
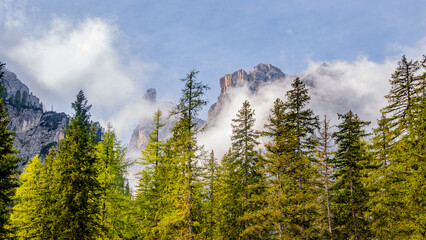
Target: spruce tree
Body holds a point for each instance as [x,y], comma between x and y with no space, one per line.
[75,181]
[350,195]
[301,124]
[8,165]
[275,168]
[245,175]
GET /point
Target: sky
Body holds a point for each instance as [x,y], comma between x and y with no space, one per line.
[116,50]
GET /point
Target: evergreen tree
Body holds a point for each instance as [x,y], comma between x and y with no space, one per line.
[76,185]
[210,203]
[245,179]
[324,154]
[8,166]
[115,197]
[349,193]
[276,157]
[301,124]
[399,150]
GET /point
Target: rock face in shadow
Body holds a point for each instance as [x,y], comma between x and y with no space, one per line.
[36,130]
[261,74]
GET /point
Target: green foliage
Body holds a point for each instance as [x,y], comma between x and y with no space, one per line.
[75,181]
[8,167]
[350,195]
[241,179]
[302,187]
[26,216]
[324,155]
[114,196]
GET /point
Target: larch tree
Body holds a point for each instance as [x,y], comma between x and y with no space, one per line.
[25,219]
[114,194]
[8,165]
[153,183]
[186,155]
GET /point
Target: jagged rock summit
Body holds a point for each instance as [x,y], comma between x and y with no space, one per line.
[261,73]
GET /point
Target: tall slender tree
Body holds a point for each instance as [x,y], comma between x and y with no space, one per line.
[76,186]
[245,179]
[301,124]
[114,194]
[349,192]
[186,151]
[276,157]
[8,165]
[324,154]
[153,183]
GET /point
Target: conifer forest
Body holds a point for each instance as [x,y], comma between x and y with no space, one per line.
[299,177]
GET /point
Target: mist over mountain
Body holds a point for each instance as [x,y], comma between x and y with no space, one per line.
[334,87]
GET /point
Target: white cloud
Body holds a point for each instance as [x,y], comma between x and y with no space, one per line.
[59,59]
[337,87]
[67,57]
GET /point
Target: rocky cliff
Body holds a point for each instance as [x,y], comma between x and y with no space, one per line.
[253,80]
[36,130]
[140,134]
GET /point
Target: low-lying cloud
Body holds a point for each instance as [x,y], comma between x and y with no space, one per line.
[334,87]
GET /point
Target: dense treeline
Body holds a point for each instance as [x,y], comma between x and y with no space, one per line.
[304,182]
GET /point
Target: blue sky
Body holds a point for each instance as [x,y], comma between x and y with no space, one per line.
[155,43]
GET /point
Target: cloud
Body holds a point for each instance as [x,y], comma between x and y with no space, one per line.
[58,59]
[335,87]
[67,57]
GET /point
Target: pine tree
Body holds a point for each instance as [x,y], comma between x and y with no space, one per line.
[398,149]
[116,220]
[8,166]
[210,202]
[349,193]
[75,180]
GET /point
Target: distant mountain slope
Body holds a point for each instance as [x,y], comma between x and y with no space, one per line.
[36,130]
[262,73]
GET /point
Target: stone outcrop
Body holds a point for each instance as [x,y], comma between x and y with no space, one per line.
[253,80]
[36,130]
[140,134]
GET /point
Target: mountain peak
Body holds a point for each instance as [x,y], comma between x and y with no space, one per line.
[261,73]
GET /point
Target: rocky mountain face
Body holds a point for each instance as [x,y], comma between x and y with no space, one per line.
[36,130]
[140,134]
[261,74]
